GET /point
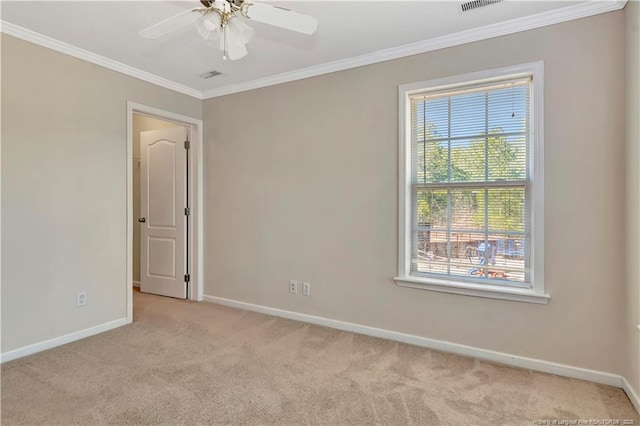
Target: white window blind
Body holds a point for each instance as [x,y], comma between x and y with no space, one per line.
[471,183]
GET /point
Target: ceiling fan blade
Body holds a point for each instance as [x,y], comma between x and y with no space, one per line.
[283,18]
[170,25]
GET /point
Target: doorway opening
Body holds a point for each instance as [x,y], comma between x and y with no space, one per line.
[164,204]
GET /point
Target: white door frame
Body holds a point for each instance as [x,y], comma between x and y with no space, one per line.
[195,190]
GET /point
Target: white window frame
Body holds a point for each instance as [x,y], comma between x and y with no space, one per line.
[536,292]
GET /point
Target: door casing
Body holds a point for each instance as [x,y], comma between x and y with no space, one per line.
[195,188]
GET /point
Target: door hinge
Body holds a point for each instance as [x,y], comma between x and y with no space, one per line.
[187,211]
[187,144]
[187,278]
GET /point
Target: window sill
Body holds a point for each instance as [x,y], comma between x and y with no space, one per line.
[470,289]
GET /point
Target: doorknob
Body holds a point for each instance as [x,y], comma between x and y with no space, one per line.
[142,220]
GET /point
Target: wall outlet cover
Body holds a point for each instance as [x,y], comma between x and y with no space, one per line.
[81,298]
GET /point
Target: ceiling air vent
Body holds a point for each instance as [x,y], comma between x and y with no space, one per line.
[210,74]
[475,4]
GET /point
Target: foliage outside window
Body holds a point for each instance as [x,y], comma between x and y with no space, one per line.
[469,195]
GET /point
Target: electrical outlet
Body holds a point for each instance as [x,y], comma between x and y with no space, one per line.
[81,298]
[306,289]
[293,287]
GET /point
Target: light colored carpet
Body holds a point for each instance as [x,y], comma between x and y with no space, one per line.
[197,363]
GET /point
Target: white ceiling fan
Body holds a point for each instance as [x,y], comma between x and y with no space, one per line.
[222,22]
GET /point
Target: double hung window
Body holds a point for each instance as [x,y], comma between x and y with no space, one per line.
[471,184]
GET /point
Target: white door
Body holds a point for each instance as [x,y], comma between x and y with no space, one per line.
[163,198]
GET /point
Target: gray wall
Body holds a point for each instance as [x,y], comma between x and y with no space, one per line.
[307,189]
[64,189]
[140,123]
[632,297]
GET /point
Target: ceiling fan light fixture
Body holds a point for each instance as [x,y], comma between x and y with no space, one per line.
[232,44]
[239,30]
[209,26]
[236,50]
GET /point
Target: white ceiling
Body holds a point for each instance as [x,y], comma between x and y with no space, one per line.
[346,29]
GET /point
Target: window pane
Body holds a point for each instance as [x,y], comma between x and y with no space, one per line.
[505,209]
[436,114]
[431,164]
[501,257]
[468,160]
[465,216]
[507,157]
[468,114]
[509,109]
[431,208]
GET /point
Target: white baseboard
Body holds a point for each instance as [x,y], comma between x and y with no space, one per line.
[58,341]
[441,345]
[136,283]
[631,393]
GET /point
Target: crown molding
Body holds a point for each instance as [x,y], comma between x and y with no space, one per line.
[68,49]
[569,13]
